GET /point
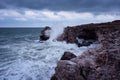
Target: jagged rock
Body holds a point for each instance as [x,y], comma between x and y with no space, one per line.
[53,78]
[45,33]
[87,32]
[72,34]
[68,56]
[100,63]
[68,71]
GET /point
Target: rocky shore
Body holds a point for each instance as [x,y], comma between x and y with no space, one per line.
[100,63]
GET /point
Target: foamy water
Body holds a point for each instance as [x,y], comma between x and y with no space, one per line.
[26,58]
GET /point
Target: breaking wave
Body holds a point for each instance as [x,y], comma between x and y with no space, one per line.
[23,57]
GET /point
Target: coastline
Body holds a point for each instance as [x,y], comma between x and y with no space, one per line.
[100,63]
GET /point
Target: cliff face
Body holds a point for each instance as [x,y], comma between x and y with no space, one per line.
[100,63]
[87,32]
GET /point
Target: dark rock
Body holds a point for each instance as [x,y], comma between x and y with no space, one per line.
[45,33]
[86,32]
[85,42]
[68,56]
[68,35]
[100,63]
[116,21]
[101,59]
[71,34]
[68,71]
[54,78]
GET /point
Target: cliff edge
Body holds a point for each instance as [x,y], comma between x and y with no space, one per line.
[100,63]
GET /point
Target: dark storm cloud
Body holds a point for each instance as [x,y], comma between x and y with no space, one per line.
[66,5]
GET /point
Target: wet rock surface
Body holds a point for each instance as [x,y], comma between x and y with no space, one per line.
[45,33]
[100,63]
[68,56]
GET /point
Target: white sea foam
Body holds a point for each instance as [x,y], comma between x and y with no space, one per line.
[37,60]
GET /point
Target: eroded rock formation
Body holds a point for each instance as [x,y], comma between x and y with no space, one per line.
[45,33]
[100,63]
[88,32]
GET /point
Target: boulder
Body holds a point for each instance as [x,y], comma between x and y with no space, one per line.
[68,56]
[45,33]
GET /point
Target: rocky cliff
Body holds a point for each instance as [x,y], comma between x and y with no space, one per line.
[100,63]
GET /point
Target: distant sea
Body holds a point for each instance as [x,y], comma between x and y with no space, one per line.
[24,57]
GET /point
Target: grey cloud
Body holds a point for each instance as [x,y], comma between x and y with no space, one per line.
[64,5]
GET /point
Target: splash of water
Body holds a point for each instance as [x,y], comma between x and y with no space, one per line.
[55,32]
[28,59]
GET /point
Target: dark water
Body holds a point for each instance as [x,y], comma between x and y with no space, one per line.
[12,35]
[15,43]
[23,57]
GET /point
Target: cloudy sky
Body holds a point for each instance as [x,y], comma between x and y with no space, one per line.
[39,13]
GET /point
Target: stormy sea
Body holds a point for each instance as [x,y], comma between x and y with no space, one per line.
[24,57]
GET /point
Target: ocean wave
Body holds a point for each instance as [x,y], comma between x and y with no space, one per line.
[24,57]
[36,61]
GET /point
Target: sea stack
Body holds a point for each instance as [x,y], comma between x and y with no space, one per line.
[45,33]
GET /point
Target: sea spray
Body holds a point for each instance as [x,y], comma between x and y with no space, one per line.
[55,32]
[28,59]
